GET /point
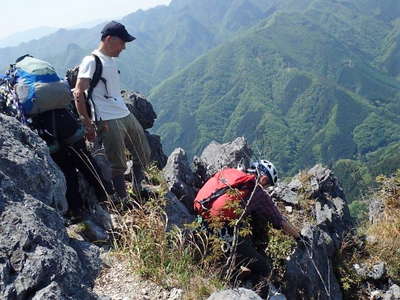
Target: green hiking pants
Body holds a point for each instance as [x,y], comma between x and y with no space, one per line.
[121,134]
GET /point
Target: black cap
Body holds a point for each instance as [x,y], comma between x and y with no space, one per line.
[117,29]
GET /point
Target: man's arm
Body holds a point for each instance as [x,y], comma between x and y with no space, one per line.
[289,229]
[263,205]
[82,84]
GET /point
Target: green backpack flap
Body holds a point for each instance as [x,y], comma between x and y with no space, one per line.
[38,87]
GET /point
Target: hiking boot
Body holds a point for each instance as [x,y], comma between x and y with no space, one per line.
[245,273]
[108,186]
[74,217]
[137,178]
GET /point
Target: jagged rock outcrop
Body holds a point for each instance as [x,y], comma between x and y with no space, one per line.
[26,166]
[180,178]
[184,182]
[319,204]
[37,258]
[375,272]
[177,213]
[217,156]
[235,294]
[375,209]
[157,154]
[316,202]
[145,114]
[392,293]
[141,108]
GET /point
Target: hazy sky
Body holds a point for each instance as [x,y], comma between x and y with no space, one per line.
[26,14]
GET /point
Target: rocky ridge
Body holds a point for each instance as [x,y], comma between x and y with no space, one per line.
[39,260]
[312,200]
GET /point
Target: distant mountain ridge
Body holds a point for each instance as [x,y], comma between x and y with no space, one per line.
[168,39]
[26,36]
[315,83]
[39,32]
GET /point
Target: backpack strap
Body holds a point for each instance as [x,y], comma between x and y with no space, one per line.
[214,196]
[98,71]
[205,203]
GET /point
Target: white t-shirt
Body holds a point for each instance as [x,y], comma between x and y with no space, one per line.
[108,102]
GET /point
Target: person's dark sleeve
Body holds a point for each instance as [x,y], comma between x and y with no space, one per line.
[262,205]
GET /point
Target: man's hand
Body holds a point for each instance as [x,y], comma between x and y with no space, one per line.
[90,132]
[82,85]
[290,229]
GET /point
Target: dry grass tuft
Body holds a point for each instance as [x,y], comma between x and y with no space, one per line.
[387,229]
[174,259]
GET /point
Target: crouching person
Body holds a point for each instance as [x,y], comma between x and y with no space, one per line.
[229,189]
[45,99]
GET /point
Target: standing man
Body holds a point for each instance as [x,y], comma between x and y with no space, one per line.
[117,127]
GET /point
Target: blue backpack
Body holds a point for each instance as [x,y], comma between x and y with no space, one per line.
[38,87]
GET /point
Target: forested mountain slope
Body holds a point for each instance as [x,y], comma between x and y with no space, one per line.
[168,38]
[305,81]
[313,84]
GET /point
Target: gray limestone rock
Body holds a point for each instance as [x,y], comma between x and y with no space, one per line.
[375,272]
[180,178]
[286,194]
[157,154]
[141,108]
[331,209]
[360,270]
[175,294]
[393,293]
[322,180]
[217,156]
[377,294]
[177,213]
[324,213]
[235,294]
[310,269]
[51,292]
[92,232]
[26,167]
[375,209]
[37,258]
[395,290]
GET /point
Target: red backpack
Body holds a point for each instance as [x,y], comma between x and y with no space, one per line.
[214,197]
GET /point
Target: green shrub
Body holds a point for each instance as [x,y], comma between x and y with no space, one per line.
[358,210]
[280,247]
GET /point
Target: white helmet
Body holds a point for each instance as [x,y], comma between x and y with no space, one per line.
[265,167]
